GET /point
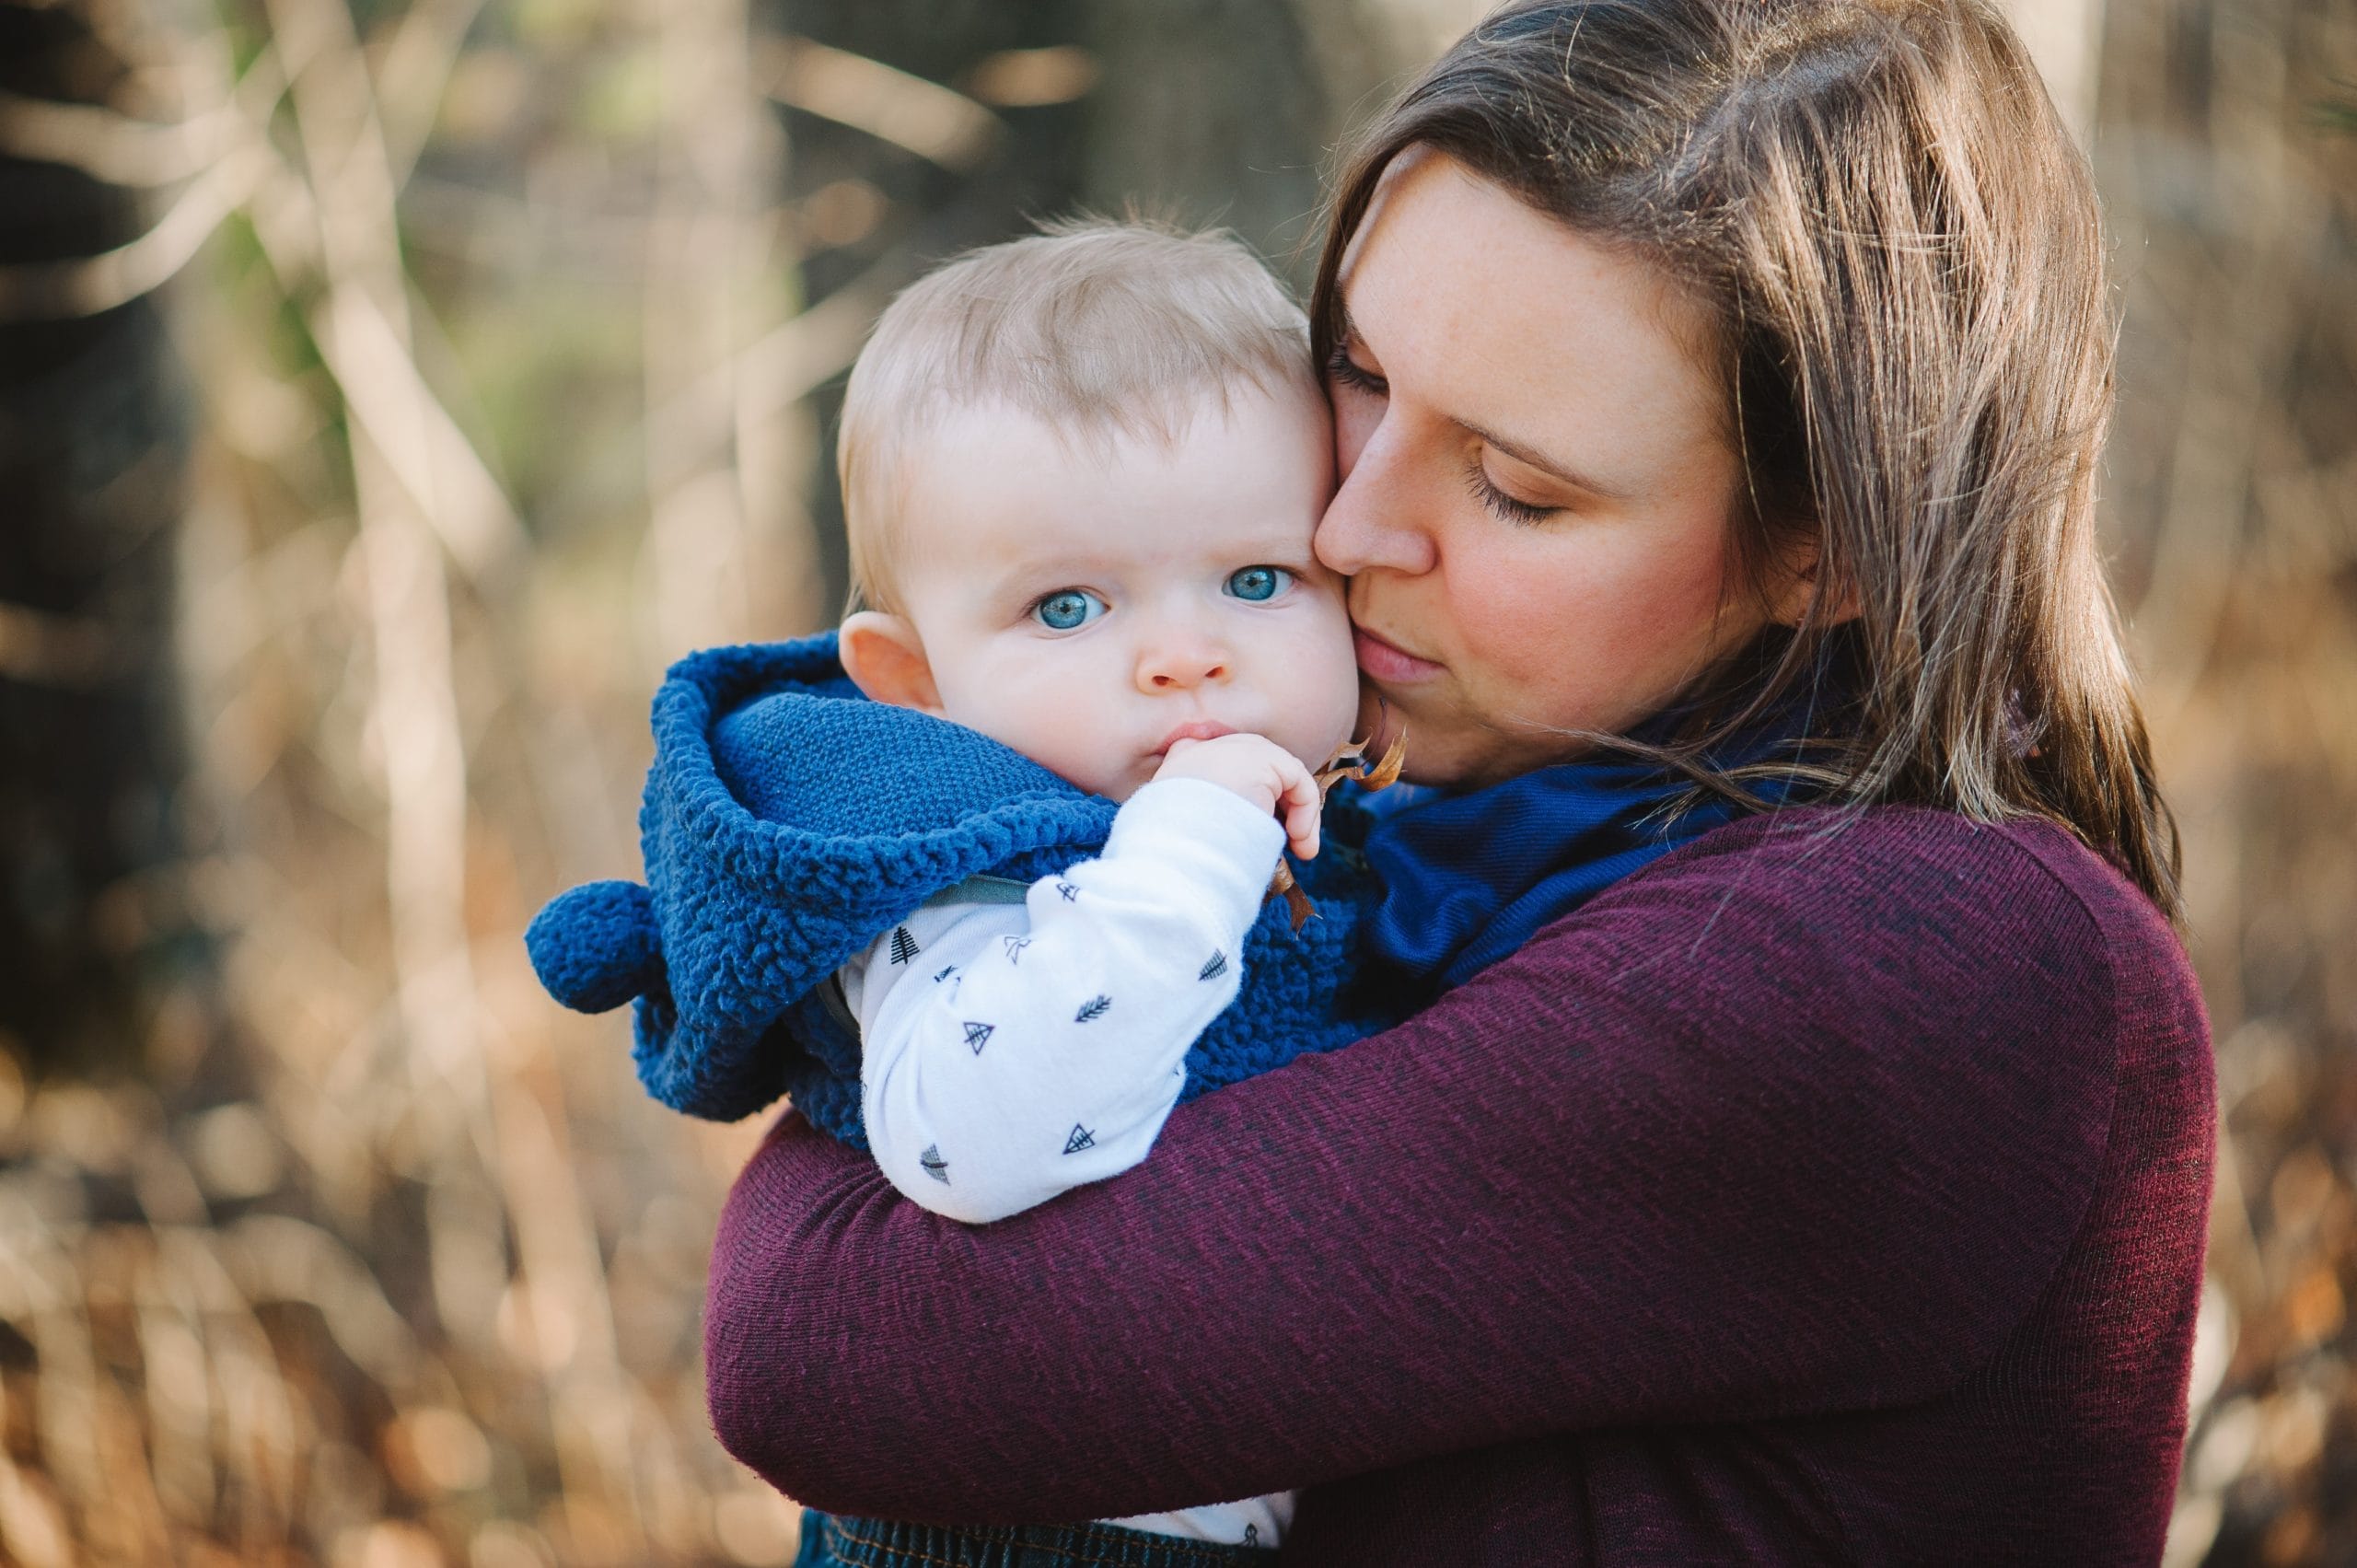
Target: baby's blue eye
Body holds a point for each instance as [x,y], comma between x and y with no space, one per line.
[1068,610]
[1257,583]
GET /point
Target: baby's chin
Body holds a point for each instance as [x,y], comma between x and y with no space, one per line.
[1114,786]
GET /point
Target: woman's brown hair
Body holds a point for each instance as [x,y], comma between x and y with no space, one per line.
[1900,246]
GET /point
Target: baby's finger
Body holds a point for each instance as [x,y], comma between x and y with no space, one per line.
[1302,804]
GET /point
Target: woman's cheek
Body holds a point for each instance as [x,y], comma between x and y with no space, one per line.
[1559,639]
[1530,612]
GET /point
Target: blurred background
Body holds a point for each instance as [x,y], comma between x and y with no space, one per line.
[388,392]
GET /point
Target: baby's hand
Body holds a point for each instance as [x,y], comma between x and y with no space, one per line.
[1261,772]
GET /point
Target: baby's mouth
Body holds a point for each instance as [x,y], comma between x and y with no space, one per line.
[1193,729]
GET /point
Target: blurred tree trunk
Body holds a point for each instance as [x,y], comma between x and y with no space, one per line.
[1209,111]
[93,448]
[2230,184]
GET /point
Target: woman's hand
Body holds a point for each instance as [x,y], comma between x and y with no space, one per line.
[1261,772]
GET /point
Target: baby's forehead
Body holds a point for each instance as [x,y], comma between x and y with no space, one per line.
[1246,474]
[1109,430]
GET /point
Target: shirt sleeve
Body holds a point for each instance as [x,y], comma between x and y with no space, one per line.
[1781,1129]
[1008,1055]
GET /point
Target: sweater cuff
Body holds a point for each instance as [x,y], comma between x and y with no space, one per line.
[1210,837]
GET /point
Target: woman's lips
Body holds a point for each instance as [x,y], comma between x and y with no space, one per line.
[1385,662]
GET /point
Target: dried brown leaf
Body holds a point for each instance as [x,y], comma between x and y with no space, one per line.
[1348,763]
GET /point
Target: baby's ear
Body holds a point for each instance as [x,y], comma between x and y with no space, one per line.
[885,658]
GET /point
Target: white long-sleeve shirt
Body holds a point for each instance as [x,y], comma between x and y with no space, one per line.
[1010,1052]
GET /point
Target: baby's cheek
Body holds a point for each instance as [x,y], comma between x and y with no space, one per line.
[1345,709]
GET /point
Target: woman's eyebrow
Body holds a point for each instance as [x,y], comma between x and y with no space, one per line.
[1348,331]
[1543,463]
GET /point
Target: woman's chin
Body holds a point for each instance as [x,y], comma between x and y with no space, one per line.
[1444,750]
[1381,723]
[1473,756]
[1433,758]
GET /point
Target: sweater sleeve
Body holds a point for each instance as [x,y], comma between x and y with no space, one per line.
[1788,1122]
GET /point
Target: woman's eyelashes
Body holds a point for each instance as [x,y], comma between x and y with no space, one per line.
[1350,372]
[1505,508]
[1347,372]
[1067,609]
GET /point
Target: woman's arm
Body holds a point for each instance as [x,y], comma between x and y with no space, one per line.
[1785,1123]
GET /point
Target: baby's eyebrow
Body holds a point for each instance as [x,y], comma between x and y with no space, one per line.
[1028,579]
[1019,582]
[1037,577]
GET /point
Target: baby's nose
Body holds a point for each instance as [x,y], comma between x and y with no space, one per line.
[1178,663]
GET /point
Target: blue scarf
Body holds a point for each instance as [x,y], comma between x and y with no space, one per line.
[1469,877]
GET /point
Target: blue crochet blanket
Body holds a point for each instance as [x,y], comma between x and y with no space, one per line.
[789,821]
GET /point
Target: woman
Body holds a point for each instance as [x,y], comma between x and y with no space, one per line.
[1831,1189]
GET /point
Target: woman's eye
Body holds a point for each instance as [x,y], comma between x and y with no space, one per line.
[1258,583]
[1505,508]
[1349,372]
[1068,610]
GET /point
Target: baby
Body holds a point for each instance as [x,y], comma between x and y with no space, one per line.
[1080,475]
[1081,472]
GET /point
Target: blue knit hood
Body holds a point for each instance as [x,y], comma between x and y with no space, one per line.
[789,821]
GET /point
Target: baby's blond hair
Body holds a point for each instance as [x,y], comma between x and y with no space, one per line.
[1099,328]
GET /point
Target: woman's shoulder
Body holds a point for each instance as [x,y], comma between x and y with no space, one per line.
[1896,868]
[1923,919]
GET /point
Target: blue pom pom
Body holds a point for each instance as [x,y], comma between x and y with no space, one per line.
[597,947]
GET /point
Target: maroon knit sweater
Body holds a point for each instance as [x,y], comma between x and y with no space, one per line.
[1802,1198]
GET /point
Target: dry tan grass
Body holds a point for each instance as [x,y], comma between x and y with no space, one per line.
[425,1288]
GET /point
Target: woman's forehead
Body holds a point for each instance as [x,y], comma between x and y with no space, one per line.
[1503,318]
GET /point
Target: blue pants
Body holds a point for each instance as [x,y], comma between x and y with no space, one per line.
[833,1541]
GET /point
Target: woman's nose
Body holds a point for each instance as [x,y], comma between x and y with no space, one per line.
[1178,662]
[1377,516]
